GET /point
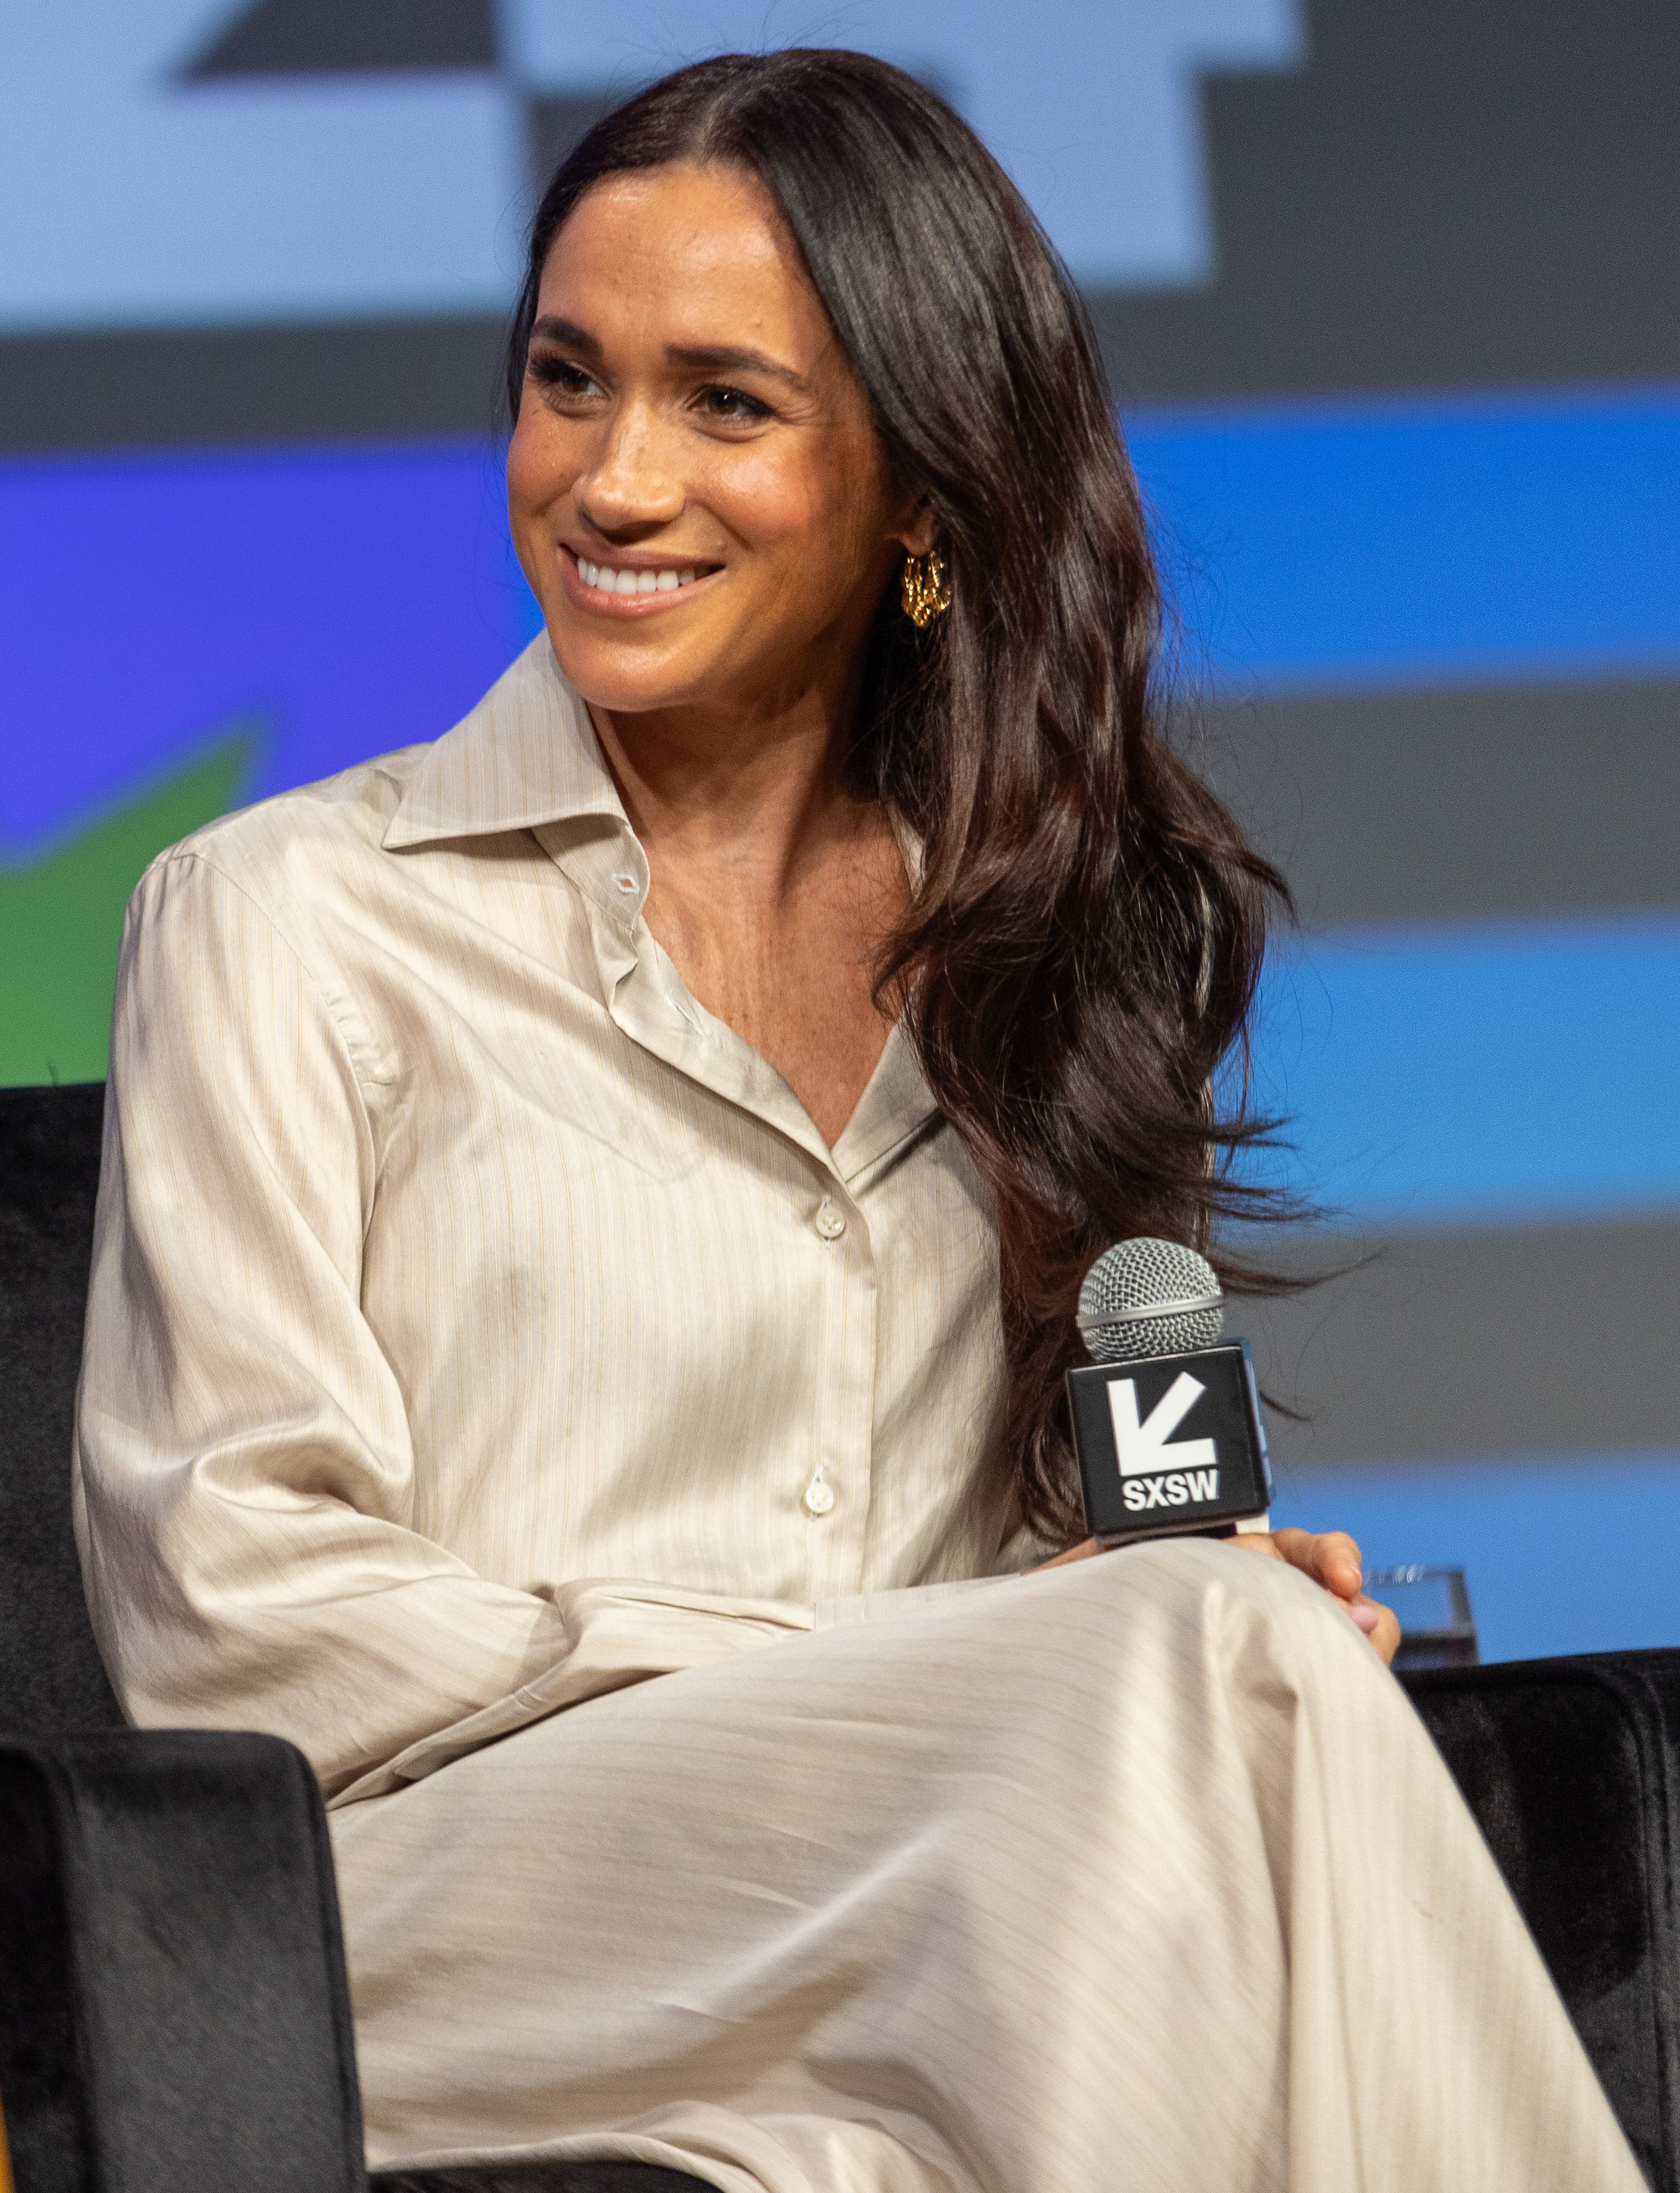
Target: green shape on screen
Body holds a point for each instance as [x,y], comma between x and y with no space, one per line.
[61,916]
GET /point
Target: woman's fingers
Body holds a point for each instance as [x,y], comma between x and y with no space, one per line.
[1328,1557]
[1381,1625]
[1333,1560]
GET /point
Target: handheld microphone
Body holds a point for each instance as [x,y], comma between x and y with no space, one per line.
[1166,1418]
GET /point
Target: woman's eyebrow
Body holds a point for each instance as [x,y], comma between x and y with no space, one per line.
[567,332]
[727,359]
[694,357]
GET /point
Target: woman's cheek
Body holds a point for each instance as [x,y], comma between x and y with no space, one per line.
[523,464]
[755,499]
[806,528]
[542,463]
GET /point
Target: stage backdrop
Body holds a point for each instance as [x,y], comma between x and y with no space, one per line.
[1387,296]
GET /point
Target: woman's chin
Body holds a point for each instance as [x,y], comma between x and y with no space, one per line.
[631,680]
[635,669]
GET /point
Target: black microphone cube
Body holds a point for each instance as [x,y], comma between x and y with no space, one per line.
[1170,1443]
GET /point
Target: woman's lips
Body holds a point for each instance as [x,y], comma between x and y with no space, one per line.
[602,588]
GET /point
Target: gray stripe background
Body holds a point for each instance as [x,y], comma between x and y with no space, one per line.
[1511,1342]
[1494,803]
[1446,807]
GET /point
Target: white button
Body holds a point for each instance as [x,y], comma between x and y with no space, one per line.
[831,1224]
[625,883]
[820,1495]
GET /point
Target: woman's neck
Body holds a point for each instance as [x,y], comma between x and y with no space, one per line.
[772,886]
[754,796]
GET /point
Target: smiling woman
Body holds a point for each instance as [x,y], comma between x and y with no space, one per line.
[587,1251]
[711,528]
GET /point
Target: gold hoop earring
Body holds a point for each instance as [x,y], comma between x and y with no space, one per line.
[924,588]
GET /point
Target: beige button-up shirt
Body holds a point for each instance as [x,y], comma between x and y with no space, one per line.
[476,1323]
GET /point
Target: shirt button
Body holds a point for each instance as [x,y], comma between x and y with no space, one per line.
[819,1495]
[831,1224]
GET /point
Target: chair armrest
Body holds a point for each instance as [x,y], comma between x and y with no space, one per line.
[174,2017]
[1571,1769]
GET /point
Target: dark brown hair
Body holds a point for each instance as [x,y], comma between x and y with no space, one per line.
[1080,957]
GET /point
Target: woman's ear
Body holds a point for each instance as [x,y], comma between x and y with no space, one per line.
[919,532]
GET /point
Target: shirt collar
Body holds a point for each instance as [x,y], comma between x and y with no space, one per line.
[528,758]
[527,754]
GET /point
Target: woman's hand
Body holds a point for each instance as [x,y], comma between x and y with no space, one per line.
[1330,1558]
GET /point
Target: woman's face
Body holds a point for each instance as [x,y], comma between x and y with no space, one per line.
[691,429]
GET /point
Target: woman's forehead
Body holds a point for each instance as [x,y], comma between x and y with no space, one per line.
[681,239]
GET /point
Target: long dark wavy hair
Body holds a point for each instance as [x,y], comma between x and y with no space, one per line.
[1078,962]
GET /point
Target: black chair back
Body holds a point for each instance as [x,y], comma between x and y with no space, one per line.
[51,1678]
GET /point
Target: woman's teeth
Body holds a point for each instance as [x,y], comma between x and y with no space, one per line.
[606,581]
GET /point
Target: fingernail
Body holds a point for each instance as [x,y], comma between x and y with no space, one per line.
[1366,1616]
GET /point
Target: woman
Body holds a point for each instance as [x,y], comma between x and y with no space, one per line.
[602,1198]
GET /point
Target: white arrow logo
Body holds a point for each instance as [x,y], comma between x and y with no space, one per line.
[1140,1445]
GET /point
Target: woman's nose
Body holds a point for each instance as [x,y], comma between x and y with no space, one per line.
[632,480]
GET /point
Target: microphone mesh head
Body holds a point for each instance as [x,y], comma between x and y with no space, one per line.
[1147,1297]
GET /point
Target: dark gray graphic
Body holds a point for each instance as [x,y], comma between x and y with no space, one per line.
[1446,196]
[329,38]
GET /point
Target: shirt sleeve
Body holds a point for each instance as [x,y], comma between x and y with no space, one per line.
[244,1476]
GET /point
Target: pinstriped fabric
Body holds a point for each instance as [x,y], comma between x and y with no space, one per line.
[451,1261]
[1137,1874]
[461,1344]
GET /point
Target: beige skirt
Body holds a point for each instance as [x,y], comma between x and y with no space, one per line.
[1138,1873]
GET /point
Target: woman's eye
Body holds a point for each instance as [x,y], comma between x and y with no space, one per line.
[563,378]
[732,405]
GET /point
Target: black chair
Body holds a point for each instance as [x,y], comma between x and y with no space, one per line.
[173,2015]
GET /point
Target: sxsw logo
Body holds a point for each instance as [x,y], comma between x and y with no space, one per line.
[1141,1449]
[1138,1477]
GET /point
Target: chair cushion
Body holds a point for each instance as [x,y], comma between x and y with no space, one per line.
[51,1678]
[173,2015]
[1572,1768]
